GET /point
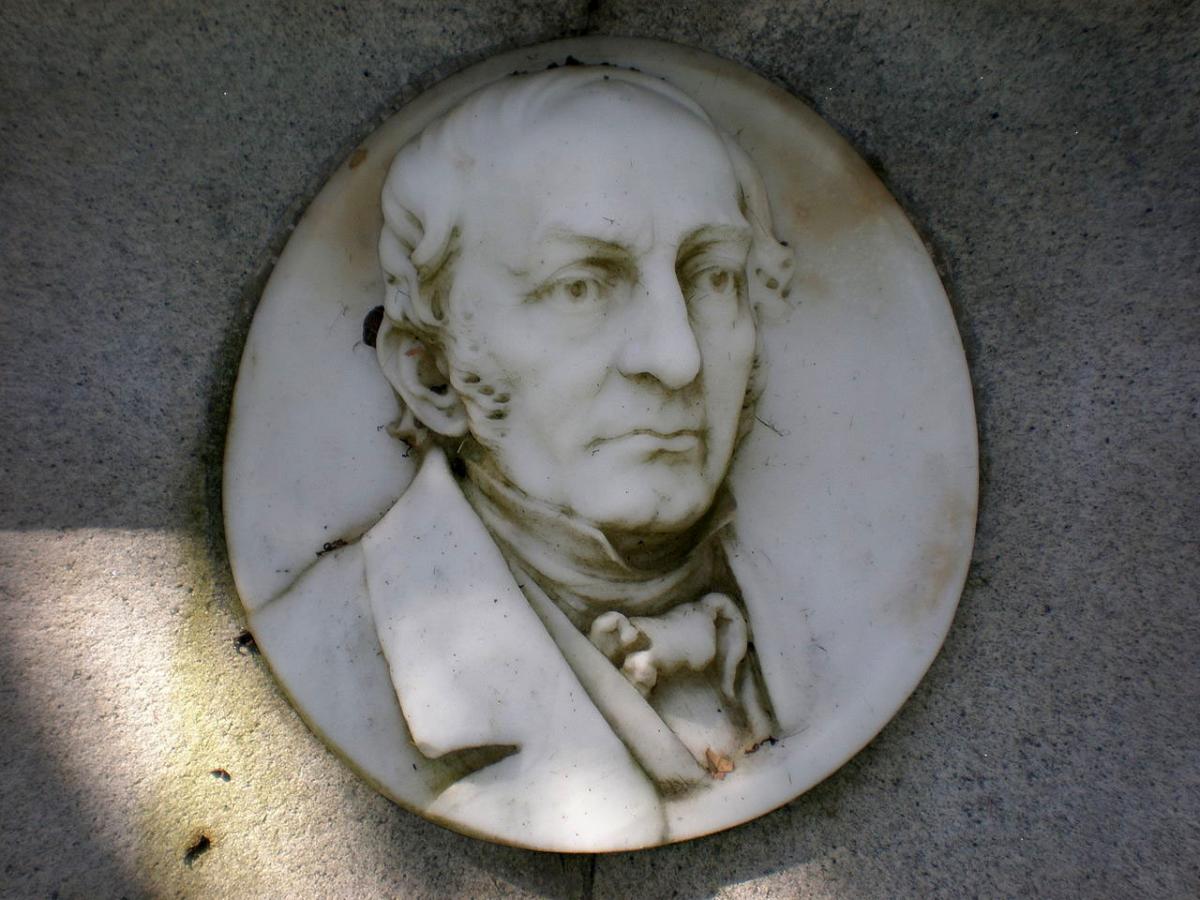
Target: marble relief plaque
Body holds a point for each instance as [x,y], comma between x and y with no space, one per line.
[602,464]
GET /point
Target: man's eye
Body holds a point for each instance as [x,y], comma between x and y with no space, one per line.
[720,281]
[577,291]
[716,281]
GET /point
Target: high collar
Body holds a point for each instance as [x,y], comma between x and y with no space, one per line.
[577,563]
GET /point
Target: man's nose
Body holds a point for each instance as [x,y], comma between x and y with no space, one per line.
[662,343]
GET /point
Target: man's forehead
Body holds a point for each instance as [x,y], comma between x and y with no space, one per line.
[602,228]
[619,164]
[603,146]
[607,236]
[638,216]
[623,200]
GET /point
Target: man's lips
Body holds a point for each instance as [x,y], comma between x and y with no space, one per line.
[678,440]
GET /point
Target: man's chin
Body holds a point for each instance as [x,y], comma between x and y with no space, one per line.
[654,505]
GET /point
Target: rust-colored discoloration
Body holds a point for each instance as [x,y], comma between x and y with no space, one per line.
[357,158]
[718,764]
[825,216]
[199,844]
[808,284]
[940,564]
[828,191]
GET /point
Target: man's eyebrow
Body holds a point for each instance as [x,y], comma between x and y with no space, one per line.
[731,237]
[715,234]
[591,245]
[564,247]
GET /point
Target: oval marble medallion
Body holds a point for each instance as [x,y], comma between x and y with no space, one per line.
[602,466]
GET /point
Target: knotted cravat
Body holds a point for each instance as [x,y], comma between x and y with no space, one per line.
[691,637]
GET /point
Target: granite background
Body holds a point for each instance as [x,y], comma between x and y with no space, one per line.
[152,158]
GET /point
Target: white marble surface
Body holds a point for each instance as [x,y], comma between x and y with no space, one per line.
[855,494]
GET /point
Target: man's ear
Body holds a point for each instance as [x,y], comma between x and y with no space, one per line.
[418,373]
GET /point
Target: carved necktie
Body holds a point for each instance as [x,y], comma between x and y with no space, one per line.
[690,637]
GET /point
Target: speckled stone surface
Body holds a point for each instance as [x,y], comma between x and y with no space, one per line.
[152,158]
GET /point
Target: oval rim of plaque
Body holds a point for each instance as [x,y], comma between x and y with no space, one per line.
[652,57]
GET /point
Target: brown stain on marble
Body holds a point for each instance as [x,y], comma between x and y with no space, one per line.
[827,196]
[829,192]
[829,214]
[806,285]
[939,569]
[939,563]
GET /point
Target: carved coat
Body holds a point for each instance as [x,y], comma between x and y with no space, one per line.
[416,652]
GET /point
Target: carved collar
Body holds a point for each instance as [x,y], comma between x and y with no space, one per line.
[577,564]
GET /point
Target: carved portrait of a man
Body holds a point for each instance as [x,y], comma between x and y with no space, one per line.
[550,630]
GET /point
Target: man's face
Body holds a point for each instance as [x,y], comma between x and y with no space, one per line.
[599,312]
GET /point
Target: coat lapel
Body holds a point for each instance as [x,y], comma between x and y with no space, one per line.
[470,661]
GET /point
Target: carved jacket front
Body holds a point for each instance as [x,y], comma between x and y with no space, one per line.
[417,653]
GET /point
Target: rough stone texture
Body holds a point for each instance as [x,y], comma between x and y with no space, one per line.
[152,157]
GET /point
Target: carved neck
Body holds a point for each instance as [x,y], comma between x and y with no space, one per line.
[585,569]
